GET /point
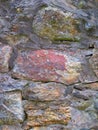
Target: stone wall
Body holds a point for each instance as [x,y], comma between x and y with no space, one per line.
[49,65]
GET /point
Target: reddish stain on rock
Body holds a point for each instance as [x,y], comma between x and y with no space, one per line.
[41,65]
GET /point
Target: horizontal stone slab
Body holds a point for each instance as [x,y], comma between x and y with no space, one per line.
[46,66]
[46,113]
[44,92]
[92,86]
[5,54]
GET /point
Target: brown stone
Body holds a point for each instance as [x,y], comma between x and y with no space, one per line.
[44,92]
[47,65]
[5,54]
[46,113]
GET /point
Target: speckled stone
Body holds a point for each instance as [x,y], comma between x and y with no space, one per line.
[39,113]
[5,54]
[47,65]
[94,62]
[56,25]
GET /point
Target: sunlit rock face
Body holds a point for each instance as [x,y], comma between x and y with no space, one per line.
[48,64]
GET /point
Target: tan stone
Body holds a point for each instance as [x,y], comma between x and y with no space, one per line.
[44,92]
[45,113]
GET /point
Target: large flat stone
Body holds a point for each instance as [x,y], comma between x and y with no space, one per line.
[44,92]
[46,113]
[5,54]
[56,25]
[47,65]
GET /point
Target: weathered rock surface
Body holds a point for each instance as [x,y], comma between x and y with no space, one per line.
[92,86]
[47,65]
[56,25]
[8,127]
[46,113]
[94,62]
[44,92]
[11,110]
[5,54]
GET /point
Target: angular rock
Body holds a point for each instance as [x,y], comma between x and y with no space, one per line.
[87,74]
[94,62]
[56,25]
[5,54]
[47,65]
[8,84]
[85,94]
[11,110]
[46,113]
[92,86]
[44,92]
[83,119]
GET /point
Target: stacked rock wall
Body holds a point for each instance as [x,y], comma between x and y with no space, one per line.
[49,65]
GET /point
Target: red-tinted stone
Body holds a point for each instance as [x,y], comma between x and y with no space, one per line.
[47,65]
[5,53]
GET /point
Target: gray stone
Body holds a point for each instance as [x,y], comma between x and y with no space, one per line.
[85,94]
[5,55]
[11,110]
[94,62]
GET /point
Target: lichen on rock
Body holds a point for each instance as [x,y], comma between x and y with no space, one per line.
[56,25]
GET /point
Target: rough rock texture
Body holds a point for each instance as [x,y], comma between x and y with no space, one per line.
[44,92]
[11,109]
[94,62]
[46,113]
[5,54]
[54,24]
[49,65]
